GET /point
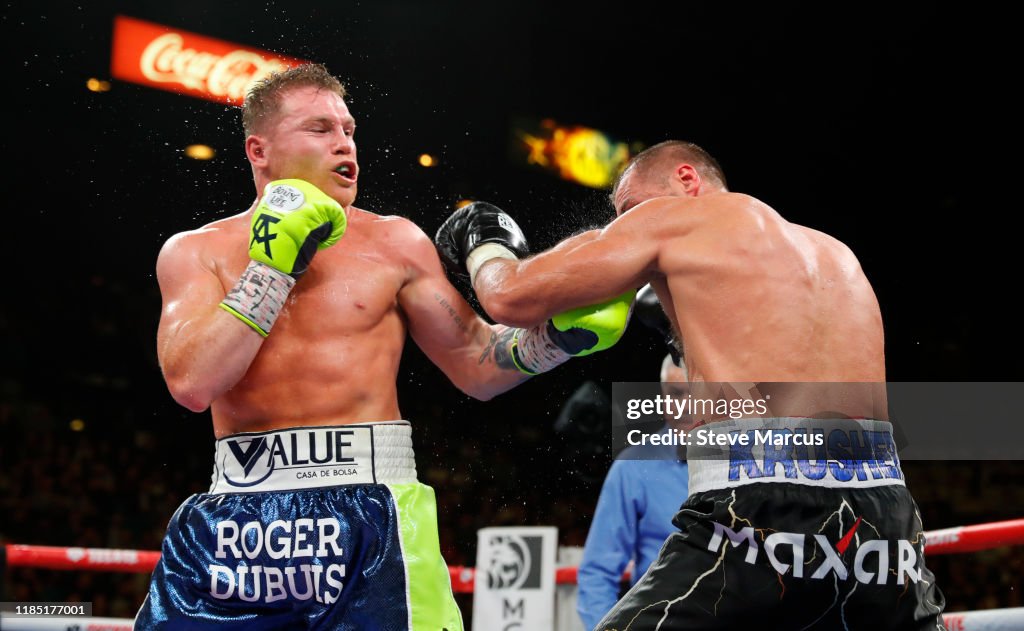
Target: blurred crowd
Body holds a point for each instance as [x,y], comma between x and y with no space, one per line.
[114,485]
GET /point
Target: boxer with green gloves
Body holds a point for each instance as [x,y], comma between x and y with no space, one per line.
[312,444]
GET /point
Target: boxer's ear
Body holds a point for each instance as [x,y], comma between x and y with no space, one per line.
[687,178]
[256,150]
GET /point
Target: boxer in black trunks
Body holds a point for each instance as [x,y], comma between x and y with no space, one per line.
[795,536]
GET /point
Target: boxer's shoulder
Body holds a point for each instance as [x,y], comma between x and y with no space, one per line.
[400,238]
[391,241]
[388,229]
[671,216]
[207,244]
[734,213]
[211,233]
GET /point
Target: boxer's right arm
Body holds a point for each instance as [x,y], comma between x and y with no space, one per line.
[481,231]
[203,347]
[583,270]
[203,350]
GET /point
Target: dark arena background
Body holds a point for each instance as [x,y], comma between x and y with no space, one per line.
[886,126]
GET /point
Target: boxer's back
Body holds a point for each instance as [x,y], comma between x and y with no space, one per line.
[757,298]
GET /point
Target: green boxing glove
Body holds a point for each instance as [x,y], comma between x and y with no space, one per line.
[574,333]
[292,221]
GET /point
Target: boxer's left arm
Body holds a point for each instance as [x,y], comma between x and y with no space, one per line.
[453,336]
[482,359]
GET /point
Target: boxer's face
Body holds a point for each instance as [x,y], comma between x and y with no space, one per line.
[313,139]
[634,189]
[665,180]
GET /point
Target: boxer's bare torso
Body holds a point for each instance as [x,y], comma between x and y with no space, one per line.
[342,330]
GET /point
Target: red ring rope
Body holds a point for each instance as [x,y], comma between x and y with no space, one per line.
[945,541]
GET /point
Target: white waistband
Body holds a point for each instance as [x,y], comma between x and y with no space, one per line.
[833,453]
[314,457]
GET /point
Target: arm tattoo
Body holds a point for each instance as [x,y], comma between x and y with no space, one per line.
[501,343]
[459,322]
[499,346]
[487,349]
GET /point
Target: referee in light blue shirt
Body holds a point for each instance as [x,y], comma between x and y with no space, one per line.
[633,518]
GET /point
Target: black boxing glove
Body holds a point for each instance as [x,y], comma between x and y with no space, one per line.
[648,310]
[477,233]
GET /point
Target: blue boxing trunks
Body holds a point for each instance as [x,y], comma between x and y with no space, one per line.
[791,524]
[306,528]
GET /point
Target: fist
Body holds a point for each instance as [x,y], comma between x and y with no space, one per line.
[594,328]
[292,221]
[474,225]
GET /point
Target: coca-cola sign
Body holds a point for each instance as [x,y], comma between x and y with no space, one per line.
[187,63]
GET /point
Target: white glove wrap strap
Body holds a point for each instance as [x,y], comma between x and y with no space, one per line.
[259,296]
[535,350]
[482,254]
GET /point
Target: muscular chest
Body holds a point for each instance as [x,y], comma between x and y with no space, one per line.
[348,288]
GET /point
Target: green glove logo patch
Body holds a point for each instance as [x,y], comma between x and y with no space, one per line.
[261,232]
[284,198]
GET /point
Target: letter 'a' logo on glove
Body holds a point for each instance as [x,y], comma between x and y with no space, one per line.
[261,232]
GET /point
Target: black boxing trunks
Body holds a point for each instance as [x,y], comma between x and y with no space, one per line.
[791,524]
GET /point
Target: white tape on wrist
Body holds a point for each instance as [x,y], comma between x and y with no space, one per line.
[536,352]
[259,296]
[483,253]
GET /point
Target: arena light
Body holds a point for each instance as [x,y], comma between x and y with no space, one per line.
[575,153]
[97,85]
[200,152]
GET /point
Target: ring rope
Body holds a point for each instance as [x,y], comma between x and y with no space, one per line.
[961,539]
[946,541]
